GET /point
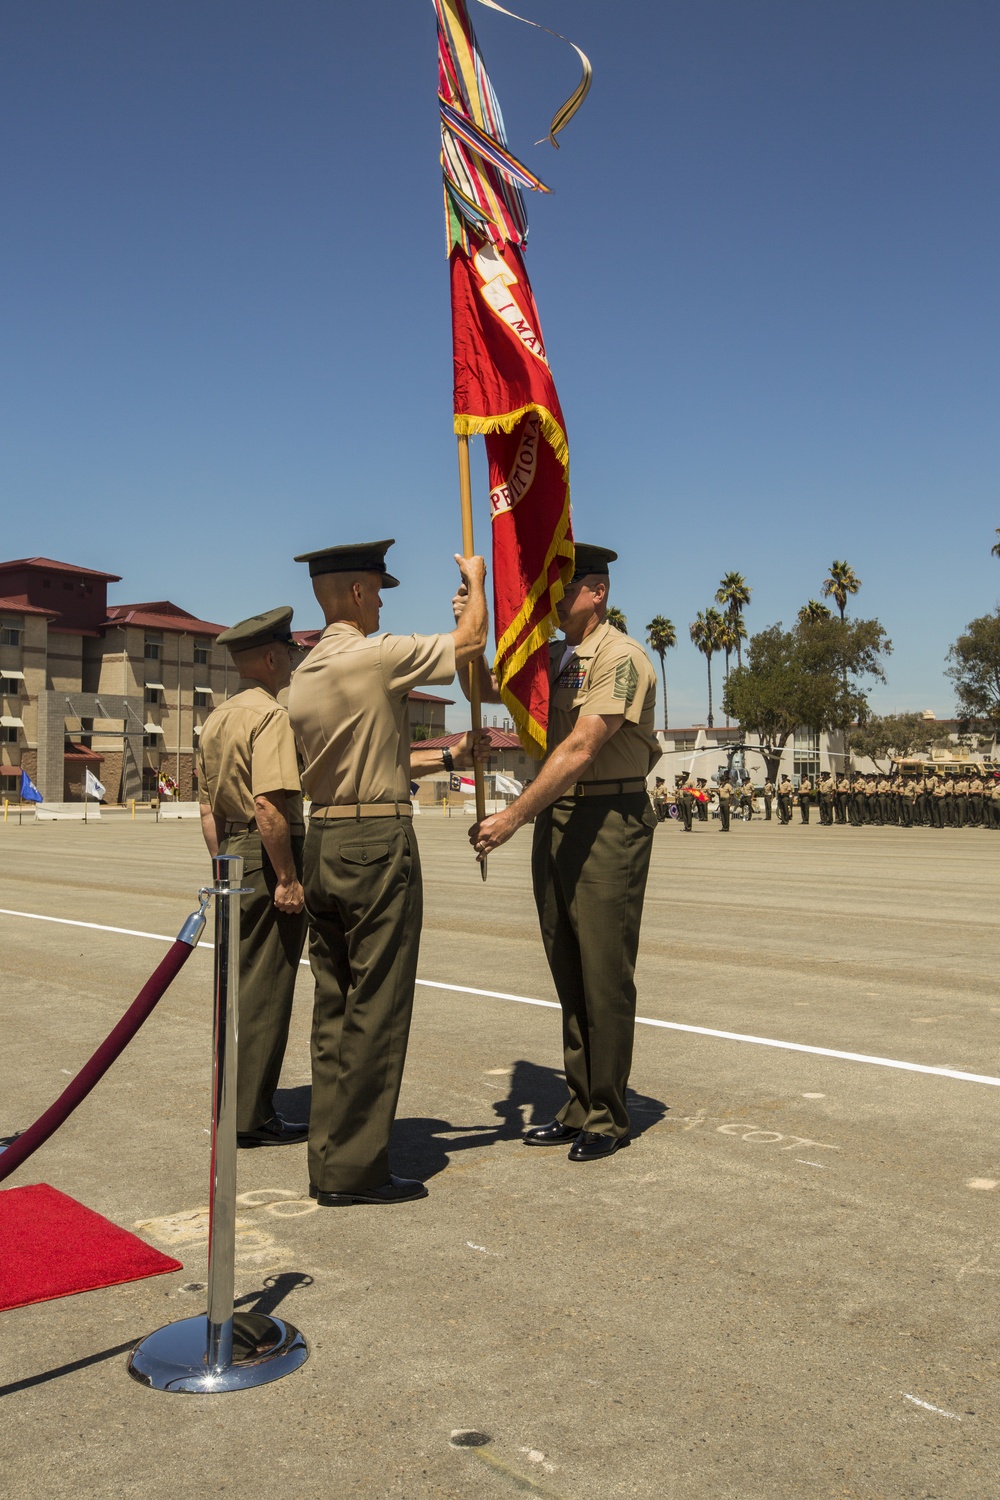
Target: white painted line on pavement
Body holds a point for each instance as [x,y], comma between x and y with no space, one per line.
[739,1036]
[938,1410]
[35,916]
[464,989]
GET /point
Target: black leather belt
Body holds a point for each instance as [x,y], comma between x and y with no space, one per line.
[608,788]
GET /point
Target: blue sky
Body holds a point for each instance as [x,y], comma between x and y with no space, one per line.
[767,278]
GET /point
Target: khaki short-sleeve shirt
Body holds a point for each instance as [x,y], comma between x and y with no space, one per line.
[348,708]
[607,673]
[246,750]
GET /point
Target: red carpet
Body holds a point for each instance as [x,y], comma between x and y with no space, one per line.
[53,1246]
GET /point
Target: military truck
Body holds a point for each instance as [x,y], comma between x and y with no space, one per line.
[954,764]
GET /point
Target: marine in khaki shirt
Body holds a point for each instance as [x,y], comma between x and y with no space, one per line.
[590,852]
[246,750]
[805,798]
[251,806]
[826,788]
[348,707]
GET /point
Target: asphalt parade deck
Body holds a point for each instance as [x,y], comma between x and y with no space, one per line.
[786,1287]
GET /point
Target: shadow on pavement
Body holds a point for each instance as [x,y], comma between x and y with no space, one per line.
[273,1293]
[76,1364]
[422,1147]
[275,1290]
[537,1094]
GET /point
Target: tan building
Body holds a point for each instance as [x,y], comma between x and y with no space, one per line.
[121,691]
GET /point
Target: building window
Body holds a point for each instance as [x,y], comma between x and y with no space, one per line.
[150,781]
[10,635]
[8,736]
[202,699]
[805,761]
[202,655]
[152,650]
[151,695]
[151,742]
[11,687]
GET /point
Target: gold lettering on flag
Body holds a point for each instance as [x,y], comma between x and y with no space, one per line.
[497,279]
[504,497]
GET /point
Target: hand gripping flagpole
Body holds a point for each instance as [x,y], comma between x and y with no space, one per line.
[468,547]
[222,1351]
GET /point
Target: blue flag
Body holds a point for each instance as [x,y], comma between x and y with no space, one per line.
[29,791]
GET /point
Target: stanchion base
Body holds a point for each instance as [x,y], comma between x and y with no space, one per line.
[173,1358]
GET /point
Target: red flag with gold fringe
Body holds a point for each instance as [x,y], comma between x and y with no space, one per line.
[503,384]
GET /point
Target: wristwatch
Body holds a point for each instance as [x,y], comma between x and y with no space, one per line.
[447,759]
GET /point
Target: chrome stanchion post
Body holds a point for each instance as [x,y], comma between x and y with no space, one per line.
[228,875]
[224,1350]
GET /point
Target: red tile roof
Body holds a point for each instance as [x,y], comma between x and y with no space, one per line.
[416,697]
[499,739]
[160,614]
[49,565]
[18,606]
[74,751]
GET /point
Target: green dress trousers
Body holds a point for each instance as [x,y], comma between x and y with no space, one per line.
[589,863]
[270,948]
[364,897]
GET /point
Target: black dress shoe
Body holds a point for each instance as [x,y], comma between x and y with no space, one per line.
[555,1133]
[591,1147]
[275,1132]
[396,1190]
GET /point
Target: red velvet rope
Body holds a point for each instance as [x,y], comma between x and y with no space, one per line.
[92,1072]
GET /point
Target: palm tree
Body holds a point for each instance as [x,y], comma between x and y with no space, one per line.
[995,549]
[841,582]
[734,592]
[617,619]
[705,634]
[731,632]
[660,636]
[812,612]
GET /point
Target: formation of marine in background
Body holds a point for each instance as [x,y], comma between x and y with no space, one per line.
[855,799]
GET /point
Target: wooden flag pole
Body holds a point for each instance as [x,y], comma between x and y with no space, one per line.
[468,550]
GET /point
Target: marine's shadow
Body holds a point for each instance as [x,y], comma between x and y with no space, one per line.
[536,1095]
[423,1147]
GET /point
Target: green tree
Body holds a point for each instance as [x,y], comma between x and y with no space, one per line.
[705,632]
[660,637]
[995,549]
[813,611]
[842,582]
[617,619]
[885,737]
[974,668]
[734,592]
[809,676]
